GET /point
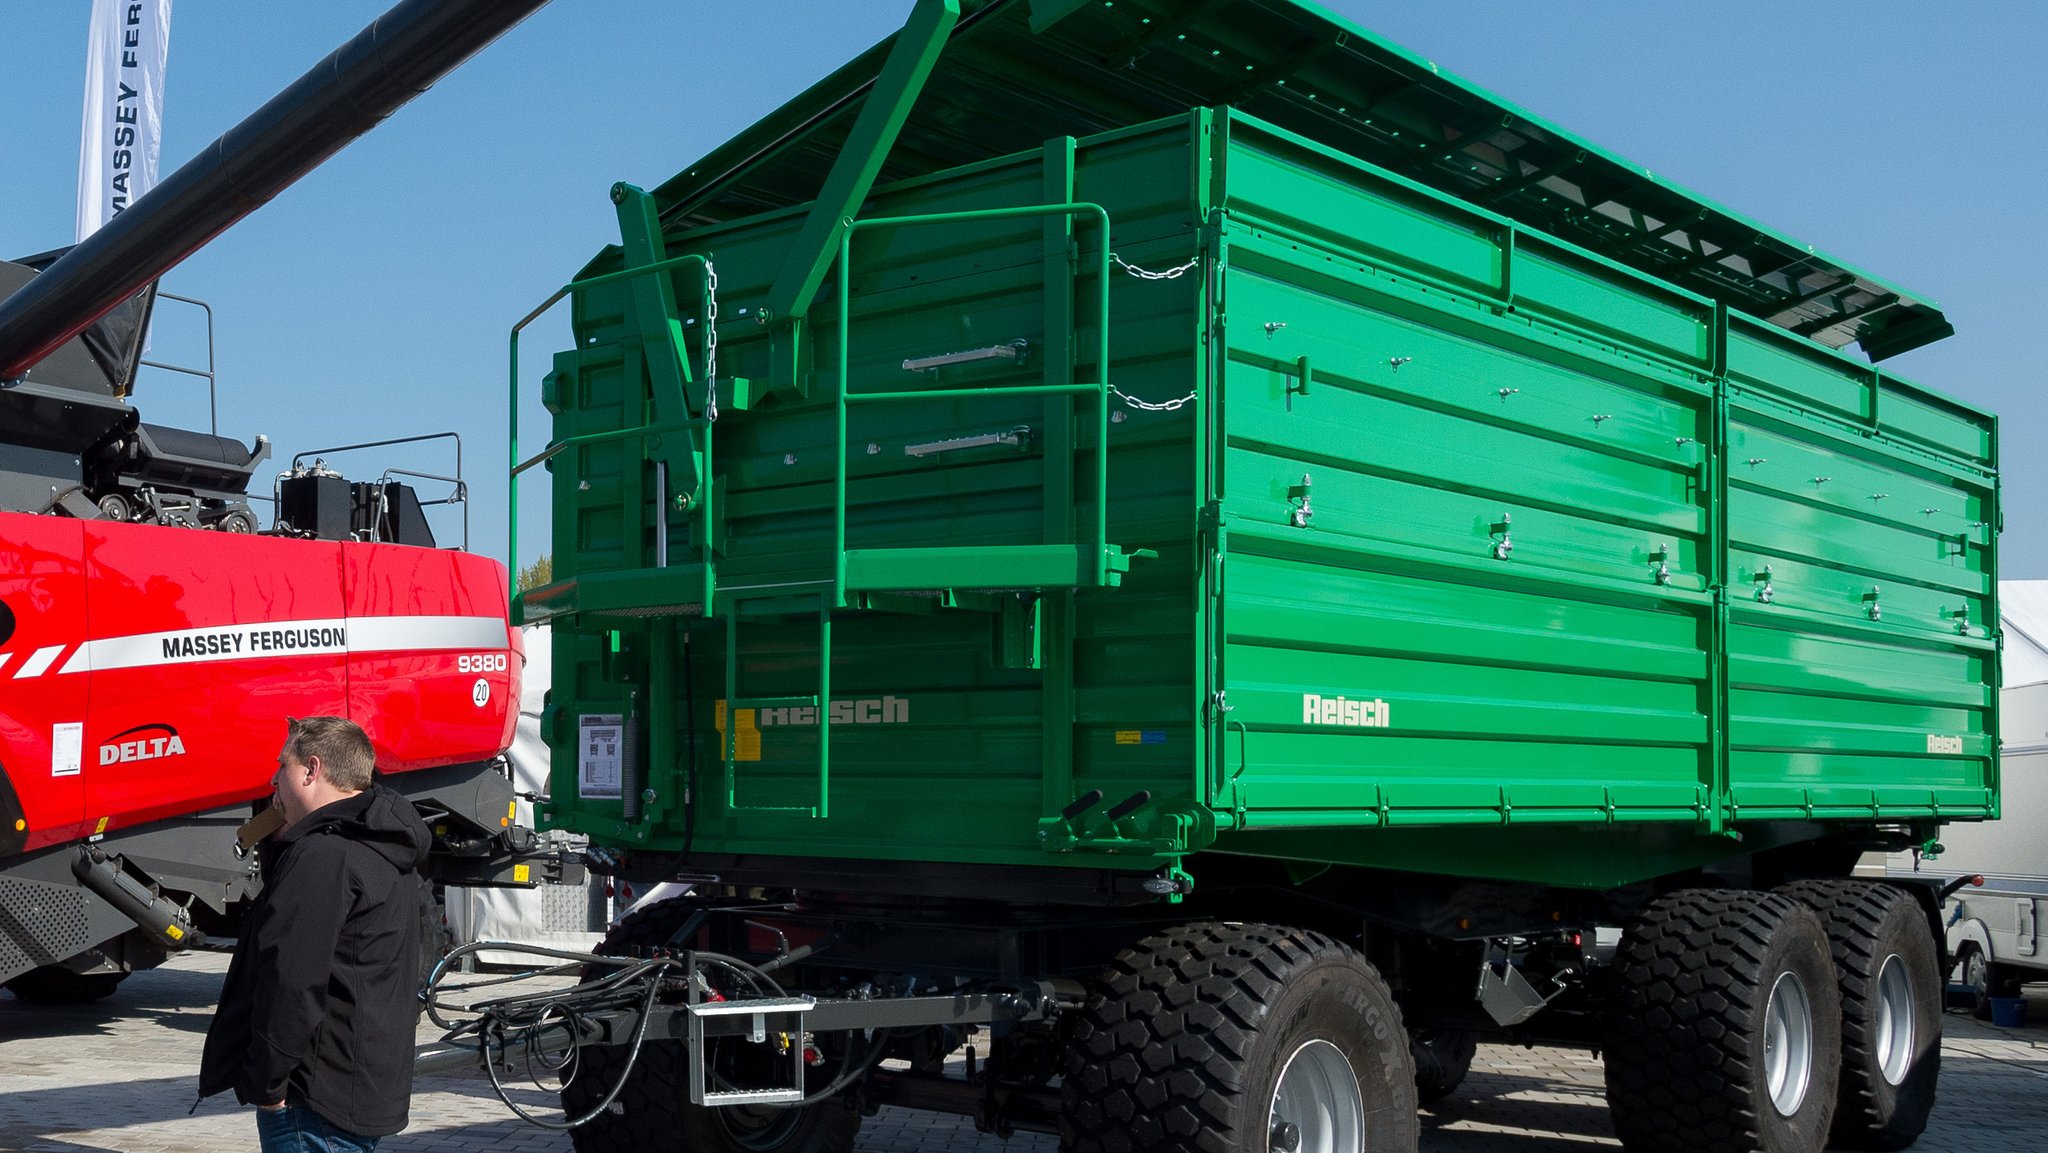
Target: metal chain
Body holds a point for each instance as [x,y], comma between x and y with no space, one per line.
[1146,274]
[1149,406]
[710,342]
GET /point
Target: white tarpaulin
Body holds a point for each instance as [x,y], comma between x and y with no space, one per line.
[124,107]
[2023,605]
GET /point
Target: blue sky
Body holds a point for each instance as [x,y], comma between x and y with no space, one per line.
[372,299]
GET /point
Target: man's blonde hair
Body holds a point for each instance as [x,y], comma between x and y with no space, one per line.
[342,746]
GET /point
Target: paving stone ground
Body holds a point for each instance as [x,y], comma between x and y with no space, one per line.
[119,1076]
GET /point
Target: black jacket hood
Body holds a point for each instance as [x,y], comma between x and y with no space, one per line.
[375,818]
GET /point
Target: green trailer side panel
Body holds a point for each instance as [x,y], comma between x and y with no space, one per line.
[1471,551]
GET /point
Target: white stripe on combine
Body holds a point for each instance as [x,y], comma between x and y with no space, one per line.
[422,634]
[299,638]
[4,658]
[34,666]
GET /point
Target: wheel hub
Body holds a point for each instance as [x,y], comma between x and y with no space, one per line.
[1317,1105]
[1895,1021]
[1788,1044]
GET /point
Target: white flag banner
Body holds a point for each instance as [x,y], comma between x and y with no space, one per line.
[124,107]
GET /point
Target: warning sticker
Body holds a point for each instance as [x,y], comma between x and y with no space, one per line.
[598,754]
[1141,736]
[67,748]
[746,737]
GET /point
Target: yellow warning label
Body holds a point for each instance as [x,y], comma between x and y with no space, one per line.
[522,874]
[746,739]
[174,932]
[1130,736]
[100,828]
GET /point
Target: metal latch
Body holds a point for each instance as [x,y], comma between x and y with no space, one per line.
[1015,352]
[1300,510]
[1018,438]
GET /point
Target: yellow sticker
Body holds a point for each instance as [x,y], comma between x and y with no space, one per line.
[1130,736]
[174,932]
[746,740]
[522,874]
[100,828]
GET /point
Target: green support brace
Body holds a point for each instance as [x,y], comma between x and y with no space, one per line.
[853,174]
[659,319]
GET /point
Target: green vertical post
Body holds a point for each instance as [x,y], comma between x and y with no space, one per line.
[1056,620]
[1714,487]
[657,315]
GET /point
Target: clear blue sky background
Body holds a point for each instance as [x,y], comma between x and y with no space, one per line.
[373,298]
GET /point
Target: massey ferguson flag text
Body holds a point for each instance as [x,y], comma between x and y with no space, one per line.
[124,107]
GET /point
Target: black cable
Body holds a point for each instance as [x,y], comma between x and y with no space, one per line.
[625,1074]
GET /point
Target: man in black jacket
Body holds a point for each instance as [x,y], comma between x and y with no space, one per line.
[315,1025]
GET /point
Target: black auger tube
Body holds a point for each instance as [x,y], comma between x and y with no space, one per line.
[400,55]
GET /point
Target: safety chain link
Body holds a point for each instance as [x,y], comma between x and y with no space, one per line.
[1193,263]
[1149,406]
[1147,274]
[710,342]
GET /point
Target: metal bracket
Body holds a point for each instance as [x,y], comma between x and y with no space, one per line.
[1018,438]
[1298,497]
[784,1016]
[1015,352]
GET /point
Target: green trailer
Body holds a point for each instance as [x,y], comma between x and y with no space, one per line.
[1189,519]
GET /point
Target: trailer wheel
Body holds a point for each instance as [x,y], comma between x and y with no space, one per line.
[653,1112]
[57,985]
[1238,1039]
[1725,1031]
[1442,1058]
[1891,988]
[1984,980]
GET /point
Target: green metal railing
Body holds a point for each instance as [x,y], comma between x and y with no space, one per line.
[964,567]
[556,447]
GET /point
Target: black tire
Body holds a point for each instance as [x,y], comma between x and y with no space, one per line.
[435,939]
[237,522]
[1976,975]
[57,985]
[1686,1030]
[1985,980]
[1442,1058]
[1871,926]
[653,1111]
[1183,1041]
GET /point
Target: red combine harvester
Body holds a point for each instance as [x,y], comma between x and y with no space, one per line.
[152,643]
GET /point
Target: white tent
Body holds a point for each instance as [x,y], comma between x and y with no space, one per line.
[2024,607]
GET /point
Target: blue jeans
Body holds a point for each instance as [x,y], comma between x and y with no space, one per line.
[297,1129]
